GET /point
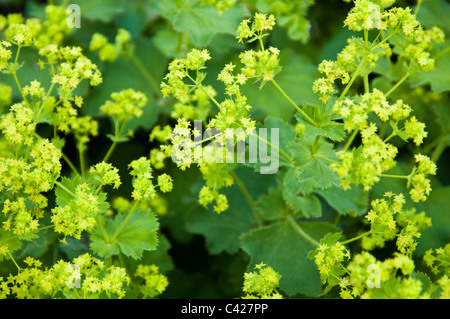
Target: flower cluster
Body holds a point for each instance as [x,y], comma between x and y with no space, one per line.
[142,172]
[381,216]
[261,23]
[68,67]
[85,277]
[262,283]
[143,187]
[388,220]
[438,260]
[365,270]
[73,67]
[207,196]
[106,174]
[366,164]
[124,105]
[184,83]
[153,283]
[79,214]
[360,55]
[174,84]
[18,125]
[329,258]
[417,179]
[165,183]
[220,5]
[418,53]
[25,181]
[110,51]
[5,54]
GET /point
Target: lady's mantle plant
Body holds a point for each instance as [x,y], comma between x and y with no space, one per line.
[356,158]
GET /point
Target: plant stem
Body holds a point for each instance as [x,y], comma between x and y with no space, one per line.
[118,134]
[350,140]
[249,199]
[65,189]
[366,83]
[355,75]
[69,162]
[125,221]
[439,149]
[16,79]
[14,261]
[407,75]
[300,231]
[102,230]
[394,176]
[356,238]
[139,65]
[310,120]
[389,137]
[443,52]
[81,155]
[282,153]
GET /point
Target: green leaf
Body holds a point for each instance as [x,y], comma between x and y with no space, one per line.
[314,160]
[296,79]
[438,78]
[435,207]
[442,116]
[326,127]
[427,285]
[9,240]
[203,22]
[271,206]
[285,250]
[296,192]
[103,10]
[123,74]
[159,257]
[137,235]
[72,248]
[223,231]
[435,12]
[354,200]
[118,139]
[66,190]
[63,197]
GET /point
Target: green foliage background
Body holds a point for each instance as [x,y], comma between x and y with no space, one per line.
[204,254]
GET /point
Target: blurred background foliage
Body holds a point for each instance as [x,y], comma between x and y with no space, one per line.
[197,264]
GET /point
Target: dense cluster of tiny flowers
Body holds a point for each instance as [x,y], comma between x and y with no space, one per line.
[25,182]
[389,220]
[142,180]
[438,260]
[84,277]
[125,105]
[79,214]
[111,51]
[221,5]
[262,283]
[142,172]
[329,258]
[366,164]
[387,273]
[184,83]
[106,174]
[152,283]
